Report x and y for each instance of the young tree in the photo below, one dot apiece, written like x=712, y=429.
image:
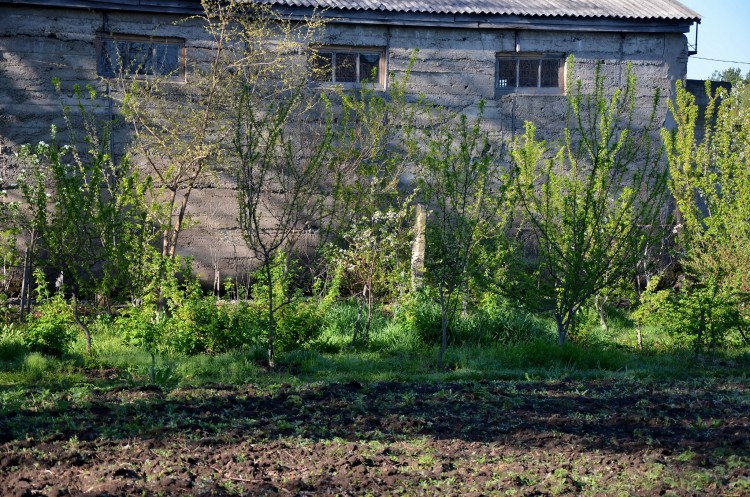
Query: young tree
x=284, y=149
x=593, y=205
x=85, y=212
x=461, y=182
x=710, y=181
x=183, y=133
x=372, y=215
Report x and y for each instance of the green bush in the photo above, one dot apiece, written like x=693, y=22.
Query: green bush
x=200, y=324
x=49, y=330
x=193, y=326
x=242, y=327
x=707, y=315
x=297, y=325
x=141, y=327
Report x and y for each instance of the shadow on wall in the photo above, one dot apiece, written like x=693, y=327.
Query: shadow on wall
x=698, y=88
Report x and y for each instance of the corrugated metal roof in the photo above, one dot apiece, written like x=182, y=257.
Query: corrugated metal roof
x=617, y=9
x=159, y=6
x=605, y=9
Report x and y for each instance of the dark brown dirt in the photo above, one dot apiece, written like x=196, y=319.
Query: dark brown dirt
x=486, y=438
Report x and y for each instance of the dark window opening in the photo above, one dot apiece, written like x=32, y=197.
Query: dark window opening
x=133, y=56
x=348, y=66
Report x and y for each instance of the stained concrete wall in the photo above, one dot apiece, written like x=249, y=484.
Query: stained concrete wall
x=454, y=67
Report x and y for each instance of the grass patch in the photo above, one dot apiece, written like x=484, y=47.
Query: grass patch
x=393, y=353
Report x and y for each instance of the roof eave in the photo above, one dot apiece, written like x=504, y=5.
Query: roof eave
x=485, y=21
x=177, y=7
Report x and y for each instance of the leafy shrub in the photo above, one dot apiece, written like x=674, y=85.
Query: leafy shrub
x=49, y=331
x=198, y=325
x=297, y=324
x=193, y=325
x=242, y=327
x=142, y=327
x=708, y=315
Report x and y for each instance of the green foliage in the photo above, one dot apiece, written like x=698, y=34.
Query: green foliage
x=50, y=331
x=420, y=314
x=594, y=205
x=297, y=320
x=493, y=322
x=732, y=75
x=706, y=314
x=86, y=210
x=11, y=342
x=497, y=322
x=711, y=185
x=299, y=324
x=201, y=325
x=373, y=264
x=191, y=322
x=141, y=327
x=462, y=184
x=9, y=230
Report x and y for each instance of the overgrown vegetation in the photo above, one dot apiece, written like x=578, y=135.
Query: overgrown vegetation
x=511, y=241
x=319, y=375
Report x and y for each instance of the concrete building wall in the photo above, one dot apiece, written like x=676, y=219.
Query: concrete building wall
x=454, y=67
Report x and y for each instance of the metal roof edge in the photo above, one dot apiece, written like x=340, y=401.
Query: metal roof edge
x=179, y=7
x=483, y=21
x=391, y=18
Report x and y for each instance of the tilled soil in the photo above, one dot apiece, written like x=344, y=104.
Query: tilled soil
x=601, y=437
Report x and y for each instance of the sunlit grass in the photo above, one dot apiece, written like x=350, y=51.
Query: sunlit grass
x=392, y=353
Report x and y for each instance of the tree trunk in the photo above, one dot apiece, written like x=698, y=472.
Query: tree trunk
x=443, y=331
x=562, y=330
x=82, y=325
x=269, y=282
x=418, y=247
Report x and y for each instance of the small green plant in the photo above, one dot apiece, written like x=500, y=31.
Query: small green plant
x=706, y=314
x=49, y=331
x=35, y=365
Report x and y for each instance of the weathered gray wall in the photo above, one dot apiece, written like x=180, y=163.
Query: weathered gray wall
x=454, y=67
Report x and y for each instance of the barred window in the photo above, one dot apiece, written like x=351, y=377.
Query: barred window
x=533, y=73
x=141, y=56
x=349, y=66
